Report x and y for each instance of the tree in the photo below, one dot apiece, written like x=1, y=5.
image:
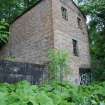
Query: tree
x=10, y=9
x=96, y=10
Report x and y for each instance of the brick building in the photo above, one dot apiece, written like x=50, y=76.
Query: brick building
x=51, y=24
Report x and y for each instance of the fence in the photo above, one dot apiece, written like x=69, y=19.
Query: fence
x=12, y=72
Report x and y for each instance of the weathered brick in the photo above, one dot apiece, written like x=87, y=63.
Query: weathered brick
x=42, y=28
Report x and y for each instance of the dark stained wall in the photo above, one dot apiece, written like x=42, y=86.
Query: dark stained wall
x=12, y=72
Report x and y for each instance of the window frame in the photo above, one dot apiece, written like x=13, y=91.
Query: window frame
x=75, y=47
x=79, y=22
x=64, y=13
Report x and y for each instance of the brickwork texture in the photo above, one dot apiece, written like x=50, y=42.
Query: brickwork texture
x=42, y=28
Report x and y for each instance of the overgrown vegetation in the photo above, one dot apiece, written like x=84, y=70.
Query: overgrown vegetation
x=25, y=94
x=95, y=10
x=58, y=64
x=4, y=33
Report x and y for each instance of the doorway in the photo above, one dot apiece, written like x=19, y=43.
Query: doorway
x=85, y=76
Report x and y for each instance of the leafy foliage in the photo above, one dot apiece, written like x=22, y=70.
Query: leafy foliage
x=10, y=9
x=58, y=65
x=96, y=10
x=25, y=94
x=4, y=33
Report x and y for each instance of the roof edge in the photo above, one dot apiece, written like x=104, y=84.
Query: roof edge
x=78, y=9
x=25, y=11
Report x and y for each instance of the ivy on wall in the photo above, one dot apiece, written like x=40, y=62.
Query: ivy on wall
x=4, y=33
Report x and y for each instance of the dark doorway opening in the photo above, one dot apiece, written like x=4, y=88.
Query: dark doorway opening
x=85, y=76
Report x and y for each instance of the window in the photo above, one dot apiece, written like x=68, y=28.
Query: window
x=79, y=23
x=75, y=47
x=64, y=13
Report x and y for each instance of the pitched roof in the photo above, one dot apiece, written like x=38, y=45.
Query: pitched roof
x=25, y=11
x=38, y=1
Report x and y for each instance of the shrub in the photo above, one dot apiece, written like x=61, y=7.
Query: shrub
x=58, y=65
x=25, y=94
x=4, y=33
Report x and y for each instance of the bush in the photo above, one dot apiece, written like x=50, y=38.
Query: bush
x=58, y=64
x=4, y=33
x=25, y=94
